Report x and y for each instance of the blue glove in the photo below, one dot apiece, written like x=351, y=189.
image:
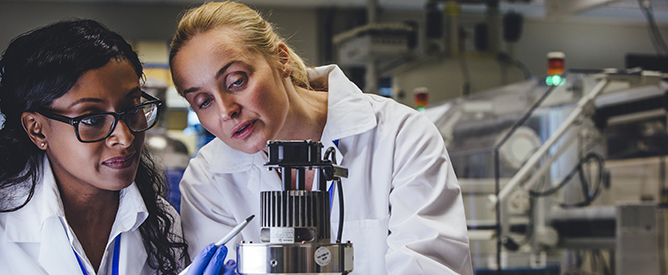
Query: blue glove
x=211, y=261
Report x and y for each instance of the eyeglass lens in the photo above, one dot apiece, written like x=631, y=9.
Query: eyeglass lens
x=98, y=126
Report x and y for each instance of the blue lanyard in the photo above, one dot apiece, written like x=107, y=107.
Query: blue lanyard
x=114, y=261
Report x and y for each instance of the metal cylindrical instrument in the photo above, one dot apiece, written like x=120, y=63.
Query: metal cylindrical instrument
x=295, y=235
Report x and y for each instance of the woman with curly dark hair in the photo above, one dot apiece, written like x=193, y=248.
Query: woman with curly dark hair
x=78, y=193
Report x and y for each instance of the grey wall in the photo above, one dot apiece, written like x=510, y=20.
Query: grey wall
x=145, y=21
x=588, y=42
x=132, y=21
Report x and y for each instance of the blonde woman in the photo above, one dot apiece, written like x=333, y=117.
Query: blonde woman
x=247, y=87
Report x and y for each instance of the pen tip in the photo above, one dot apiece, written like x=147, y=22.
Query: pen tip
x=250, y=218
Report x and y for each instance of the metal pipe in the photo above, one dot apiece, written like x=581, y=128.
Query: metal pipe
x=546, y=165
x=572, y=117
x=372, y=11
x=371, y=75
x=493, y=16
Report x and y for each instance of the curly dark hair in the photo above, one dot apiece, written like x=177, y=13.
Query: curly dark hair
x=42, y=65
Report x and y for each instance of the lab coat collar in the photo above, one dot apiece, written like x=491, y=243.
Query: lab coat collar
x=25, y=224
x=46, y=204
x=39, y=221
x=348, y=113
x=42, y=220
x=236, y=162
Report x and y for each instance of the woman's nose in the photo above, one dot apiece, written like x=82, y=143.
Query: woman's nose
x=121, y=135
x=229, y=109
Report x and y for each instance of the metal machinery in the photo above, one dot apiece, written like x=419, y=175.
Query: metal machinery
x=563, y=178
x=296, y=222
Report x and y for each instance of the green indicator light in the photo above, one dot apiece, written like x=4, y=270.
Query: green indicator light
x=561, y=81
x=554, y=80
x=420, y=109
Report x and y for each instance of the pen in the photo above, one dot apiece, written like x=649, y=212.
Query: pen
x=227, y=237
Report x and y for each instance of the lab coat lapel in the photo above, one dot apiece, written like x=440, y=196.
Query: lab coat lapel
x=349, y=113
x=20, y=262
x=39, y=222
x=254, y=178
x=235, y=162
x=55, y=254
x=132, y=261
x=131, y=214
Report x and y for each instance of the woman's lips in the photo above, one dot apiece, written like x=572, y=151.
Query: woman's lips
x=120, y=162
x=243, y=130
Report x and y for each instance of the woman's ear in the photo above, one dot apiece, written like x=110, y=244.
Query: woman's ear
x=33, y=128
x=284, y=60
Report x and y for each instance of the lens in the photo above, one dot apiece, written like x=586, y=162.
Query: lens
x=99, y=126
x=142, y=117
x=95, y=127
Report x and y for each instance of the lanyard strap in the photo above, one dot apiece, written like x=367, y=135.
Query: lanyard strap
x=83, y=269
x=114, y=261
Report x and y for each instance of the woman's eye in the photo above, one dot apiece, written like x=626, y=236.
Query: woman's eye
x=134, y=110
x=239, y=81
x=205, y=103
x=94, y=121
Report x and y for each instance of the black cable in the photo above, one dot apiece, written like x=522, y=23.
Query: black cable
x=587, y=187
x=466, y=78
x=655, y=31
x=523, y=67
x=579, y=259
x=328, y=152
x=659, y=44
x=528, y=234
x=505, y=59
x=339, y=187
x=553, y=190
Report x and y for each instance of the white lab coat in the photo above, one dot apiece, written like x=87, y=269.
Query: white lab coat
x=37, y=239
x=403, y=206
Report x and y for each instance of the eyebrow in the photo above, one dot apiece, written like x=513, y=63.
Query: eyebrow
x=84, y=100
x=97, y=100
x=218, y=74
x=134, y=90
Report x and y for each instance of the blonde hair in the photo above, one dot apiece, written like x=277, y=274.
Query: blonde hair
x=256, y=33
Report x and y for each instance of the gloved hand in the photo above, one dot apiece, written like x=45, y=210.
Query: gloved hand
x=211, y=260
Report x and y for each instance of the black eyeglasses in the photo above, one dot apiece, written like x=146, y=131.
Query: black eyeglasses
x=99, y=126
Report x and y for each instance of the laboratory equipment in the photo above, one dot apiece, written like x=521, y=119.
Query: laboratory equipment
x=554, y=175
x=295, y=235
x=556, y=63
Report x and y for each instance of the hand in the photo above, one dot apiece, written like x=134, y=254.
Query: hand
x=210, y=261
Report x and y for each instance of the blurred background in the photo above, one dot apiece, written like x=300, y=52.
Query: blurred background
x=553, y=111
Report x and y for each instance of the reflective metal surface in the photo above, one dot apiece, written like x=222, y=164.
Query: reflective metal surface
x=297, y=258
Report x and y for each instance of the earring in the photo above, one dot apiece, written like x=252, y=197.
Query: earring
x=42, y=145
